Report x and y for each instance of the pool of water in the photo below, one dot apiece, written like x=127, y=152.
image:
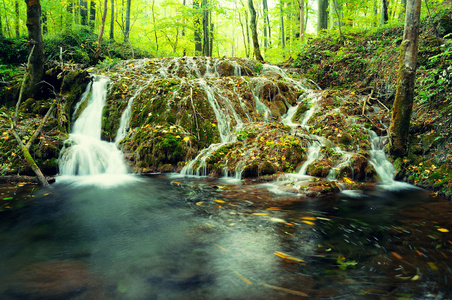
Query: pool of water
x=175, y=238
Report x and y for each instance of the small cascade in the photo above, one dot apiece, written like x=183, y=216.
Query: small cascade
x=313, y=154
x=84, y=152
x=382, y=165
x=125, y=117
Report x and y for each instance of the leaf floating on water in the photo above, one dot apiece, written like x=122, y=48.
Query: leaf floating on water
x=221, y=247
x=396, y=255
x=46, y=194
x=415, y=277
x=8, y=198
x=260, y=214
x=443, y=230
x=243, y=278
x=288, y=257
x=273, y=208
x=308, y=222
x=219, y=201
x=277, y=220
x=432, y=266
x=278, y=288
x=309, y=218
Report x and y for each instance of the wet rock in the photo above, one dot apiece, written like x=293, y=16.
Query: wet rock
x=322, y=188
x=53, y=280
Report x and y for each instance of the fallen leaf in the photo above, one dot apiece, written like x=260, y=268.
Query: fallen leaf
x=443, y=230
x=219, y=201
x=243, y=278
x=287, y=256
x=432, y=266
x=309, y=218
x=396, y=255
x=308, y=222
x=220, y=247
x=260, y=214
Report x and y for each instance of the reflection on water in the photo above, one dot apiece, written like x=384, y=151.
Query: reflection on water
x=213, y=239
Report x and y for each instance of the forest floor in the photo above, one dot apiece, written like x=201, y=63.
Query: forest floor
x=366, y=63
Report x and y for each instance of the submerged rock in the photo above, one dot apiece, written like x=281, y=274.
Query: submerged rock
x=62, y=279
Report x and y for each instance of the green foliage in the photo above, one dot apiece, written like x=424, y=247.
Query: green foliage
x=13, y=50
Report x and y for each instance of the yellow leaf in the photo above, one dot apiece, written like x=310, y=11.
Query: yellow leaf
x=309, y=218
x=186, y=139
x=260, y=214
x=443, y=230
x=308, y=222
x=348, y=180
x=177, y=136
x=287, y=256
x=214, y=125
x=219, y=201
x=415, y=277
x=243, y=278
x=273, y=208
x=432, y=266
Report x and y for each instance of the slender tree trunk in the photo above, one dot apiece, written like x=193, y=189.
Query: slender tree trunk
x=84, y=13
x=302, y=12
x=281, y=18
x=267, y=30
x=403, y=103
x=1, y=26
x=36, y=70
x=197, y=27
x=322, y=22
x=243, y=34
x=101, y=30
x=257, y=51
x=155, y=28
x=92, y=15
x=17, y=18
x=384, y=12
x=205, y=28
x=127, y=29
x=112, y=20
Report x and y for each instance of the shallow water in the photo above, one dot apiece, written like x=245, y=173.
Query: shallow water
x=163, y=238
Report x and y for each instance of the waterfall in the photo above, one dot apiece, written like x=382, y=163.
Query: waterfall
x=84, y=153
x=382, y=165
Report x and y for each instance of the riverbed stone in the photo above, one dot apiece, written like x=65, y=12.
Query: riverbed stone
x=62, y=279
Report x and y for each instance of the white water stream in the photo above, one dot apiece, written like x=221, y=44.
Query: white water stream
x=85, y=157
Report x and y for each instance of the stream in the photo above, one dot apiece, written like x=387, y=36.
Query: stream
x=161, y=237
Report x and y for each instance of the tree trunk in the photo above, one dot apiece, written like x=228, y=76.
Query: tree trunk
x=1, y=26
x=45, y=29
x=257, y=51
x=84, y=13
x=127, y=29
x=322, y=22
x=403, y=103
x=302, y=11
x=384, y=12
x=101, y=31
x=36, y=69
x=281, y=18
x=205, y=28
x=92, y=15
x=17, y=18
x=112, y=20
x=197, y=27
x=155, y=28
x=267, y=32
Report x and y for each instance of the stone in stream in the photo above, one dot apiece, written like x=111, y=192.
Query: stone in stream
x=62, y=279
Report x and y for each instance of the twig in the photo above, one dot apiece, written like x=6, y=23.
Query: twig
x=194, y=112
x=365, y=102
x=22, y=86
x=382, y=104
x=38, y=130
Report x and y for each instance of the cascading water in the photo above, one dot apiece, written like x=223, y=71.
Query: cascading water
x=84, y=153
